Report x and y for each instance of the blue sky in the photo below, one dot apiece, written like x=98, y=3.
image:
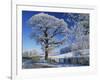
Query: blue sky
x=26, y=30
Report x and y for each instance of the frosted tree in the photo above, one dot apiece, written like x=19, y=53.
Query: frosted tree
x=79, y=34
x=48, y=31
x=30, y=53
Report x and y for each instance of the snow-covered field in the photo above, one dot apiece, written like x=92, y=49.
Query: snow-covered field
x=79, y=53
x=79, y=59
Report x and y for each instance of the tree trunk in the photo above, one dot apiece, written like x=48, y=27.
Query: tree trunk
x=46, y=44
x=46, y=55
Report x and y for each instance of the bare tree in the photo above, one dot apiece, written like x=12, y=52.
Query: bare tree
x=48, y=31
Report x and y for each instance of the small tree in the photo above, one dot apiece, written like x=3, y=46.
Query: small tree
x=48, y=31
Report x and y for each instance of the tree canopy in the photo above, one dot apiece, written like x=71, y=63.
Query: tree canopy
x=48, y=31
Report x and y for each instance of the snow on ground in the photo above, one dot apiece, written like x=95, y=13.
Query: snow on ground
x=79, y=53
x=30, y=64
